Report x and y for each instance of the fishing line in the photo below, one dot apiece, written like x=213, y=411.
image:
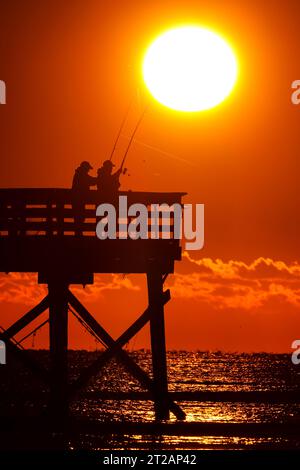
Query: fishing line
x=121, y=129
x=133, y=134
x=124, y=121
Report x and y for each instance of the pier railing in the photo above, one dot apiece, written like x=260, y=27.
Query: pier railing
x=40, y=227
x=63, y=212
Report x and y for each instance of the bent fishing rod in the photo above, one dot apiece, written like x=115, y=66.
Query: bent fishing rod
x=120, y=130
x=132, y=136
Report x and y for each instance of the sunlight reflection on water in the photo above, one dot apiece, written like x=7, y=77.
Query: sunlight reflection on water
x=202, y=371
x=188, y=371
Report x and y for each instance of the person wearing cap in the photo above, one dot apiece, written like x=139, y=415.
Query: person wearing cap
x=82, y=182
x=108, y=182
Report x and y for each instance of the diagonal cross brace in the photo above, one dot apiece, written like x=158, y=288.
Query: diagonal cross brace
x=26, y=319
x=115, y=348
x=21, y=354
x=94, y=368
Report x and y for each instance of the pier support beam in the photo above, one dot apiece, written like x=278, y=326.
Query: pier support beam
x=58, y=331
x=158, y=345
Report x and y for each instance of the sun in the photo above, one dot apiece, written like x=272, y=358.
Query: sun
x=190, y=69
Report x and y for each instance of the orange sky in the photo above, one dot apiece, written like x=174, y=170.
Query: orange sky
x=71, y=69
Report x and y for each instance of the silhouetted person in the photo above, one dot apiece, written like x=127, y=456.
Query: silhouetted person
x=82, y=182
x=107, y=182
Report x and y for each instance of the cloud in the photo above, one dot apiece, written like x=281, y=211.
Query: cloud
x=102, y=284
x=22, y=288
x=261, y=267
x=220, y=284
x=235, y=284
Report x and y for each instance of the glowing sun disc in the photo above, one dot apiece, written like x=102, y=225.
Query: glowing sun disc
x=189, y=69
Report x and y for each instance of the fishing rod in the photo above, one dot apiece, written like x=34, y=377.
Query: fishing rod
x=120, y=130
x=122, y=127
x=132, y=136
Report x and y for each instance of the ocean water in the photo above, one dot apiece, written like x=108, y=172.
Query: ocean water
x=188, y=371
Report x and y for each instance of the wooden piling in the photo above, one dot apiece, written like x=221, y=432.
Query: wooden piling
x=158, y=345
x=58, y=335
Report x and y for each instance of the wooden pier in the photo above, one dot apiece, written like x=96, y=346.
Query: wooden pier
x=40, y=232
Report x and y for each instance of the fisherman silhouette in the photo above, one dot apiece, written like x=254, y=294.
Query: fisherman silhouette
x=107, y=182
x=82, y=182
